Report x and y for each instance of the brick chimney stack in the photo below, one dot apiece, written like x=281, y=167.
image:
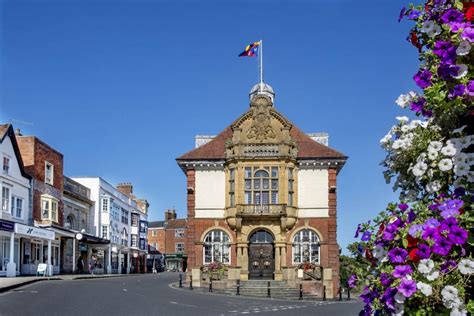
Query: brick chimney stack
x=125, y=188
x=170, y=214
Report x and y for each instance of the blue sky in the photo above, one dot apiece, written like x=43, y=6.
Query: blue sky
x=122, y=87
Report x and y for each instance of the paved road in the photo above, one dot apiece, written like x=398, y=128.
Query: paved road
x=149, y=295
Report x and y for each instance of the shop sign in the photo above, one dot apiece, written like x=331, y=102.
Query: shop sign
x=82, y=247
x=114, y=248
x=6, y=225
x=34, y=231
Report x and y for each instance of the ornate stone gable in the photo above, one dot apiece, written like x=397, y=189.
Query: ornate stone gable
x=261, y=132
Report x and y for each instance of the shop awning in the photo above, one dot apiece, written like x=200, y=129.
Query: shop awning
x=176, y=255
x=90, y=239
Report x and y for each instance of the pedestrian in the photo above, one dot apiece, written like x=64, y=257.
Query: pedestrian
x=91, y=267
x=80, y=265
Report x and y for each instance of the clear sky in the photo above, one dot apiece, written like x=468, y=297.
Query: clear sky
x=121, y=87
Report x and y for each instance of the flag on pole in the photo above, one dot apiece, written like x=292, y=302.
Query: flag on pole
x=251, y=50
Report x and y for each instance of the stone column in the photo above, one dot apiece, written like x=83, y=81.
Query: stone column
x=50, y=267
x=73, y=255
x=109, y=263
x=239, y=255
x=11, y=266
x=283, y=256
x=244, y=274
x=277, y=259
x=119, y=258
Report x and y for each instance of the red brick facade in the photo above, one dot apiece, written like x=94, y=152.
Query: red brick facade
x=34, y=154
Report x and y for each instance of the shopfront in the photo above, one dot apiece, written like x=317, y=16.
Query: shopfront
x=91, y=251
x=6, y=233
x=37, y=246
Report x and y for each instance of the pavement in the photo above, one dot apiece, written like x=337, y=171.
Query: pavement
x=7, y=284
x=150, y=294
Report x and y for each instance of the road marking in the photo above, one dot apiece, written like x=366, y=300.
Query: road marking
x=180, y=304
x=125, y=290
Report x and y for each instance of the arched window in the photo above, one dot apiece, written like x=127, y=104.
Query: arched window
x=216, y=247
x=306, y=247
x=70, y=221
x=261, y=185
x=124, y=237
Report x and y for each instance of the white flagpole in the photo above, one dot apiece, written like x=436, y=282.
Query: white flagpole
x=261, y=65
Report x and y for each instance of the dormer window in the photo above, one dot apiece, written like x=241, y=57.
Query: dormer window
x=6, y=164
x=48, y=173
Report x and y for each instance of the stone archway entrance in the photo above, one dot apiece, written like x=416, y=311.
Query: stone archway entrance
x=261, y=255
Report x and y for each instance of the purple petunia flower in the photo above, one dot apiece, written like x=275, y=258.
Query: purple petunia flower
x=411, y=216
x=360, y=249
x=468, y=34
x=458, y=192
x=423, y=78
x=447, y=71
x=366, y=236
x=385, y=279
x=418, y=105
x=357, y=231
x=352, y=281
x=450, y=208
x=403, y=207
x=424, y=251
x=457, y=91
x=414, y=14
x=452, y=16
x=442, y=246
x=456, y=26
x=407, y=287
x=470, y=89
x=447, y=265
x=402, y=271
x=457, y=235
x=431, y=233
x=446, y=51
x=414, y=230
x=388, y=298
x=433, y=207
x=397, y=255
x=432, y=222
x=402, y=13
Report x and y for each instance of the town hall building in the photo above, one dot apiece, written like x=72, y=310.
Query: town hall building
x=261, y=197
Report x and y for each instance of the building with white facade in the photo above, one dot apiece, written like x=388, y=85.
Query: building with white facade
x=118, y=218
x=15, y=186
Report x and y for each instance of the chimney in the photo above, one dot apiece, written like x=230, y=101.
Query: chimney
x=170, y=215
x=18, y=132
x=125, y=188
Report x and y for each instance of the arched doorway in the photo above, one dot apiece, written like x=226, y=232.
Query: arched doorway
x=261, y=255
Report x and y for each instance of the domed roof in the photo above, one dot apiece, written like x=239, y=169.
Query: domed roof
x=262, y=88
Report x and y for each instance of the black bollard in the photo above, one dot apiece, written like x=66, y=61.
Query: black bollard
x=348, y=294
x=268, y=289
x=340, y=294
x=301, y=291
x=238, y=287
x=210, y=285
x=324, y=293
x=191, y=284
x=180, y=280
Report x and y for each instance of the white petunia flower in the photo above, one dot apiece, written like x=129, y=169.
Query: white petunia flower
x=405, y=128
x=466, y=266
x=449, y=293
x=419, y=169
x=463, y=48
x=432, y=154
x=435, y=145
x=449, y=150
x=470, y=159
x=425, y=266
x=415, y=124
x=445, y=164
x=457, y=312
x=397, y=144
x=460, y=158
x=434, y=186
x=430, y=28
x=402, y=119
x=379, y=252
x=461, y=72
x=386, y=139
x=403, y=100
x=432, y=276
x=399, y=298
x=399, y=309
x=426, y=289
x=454, y=303
x=461, y=169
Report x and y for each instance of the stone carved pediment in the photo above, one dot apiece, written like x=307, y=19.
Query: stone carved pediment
x=261, y=132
